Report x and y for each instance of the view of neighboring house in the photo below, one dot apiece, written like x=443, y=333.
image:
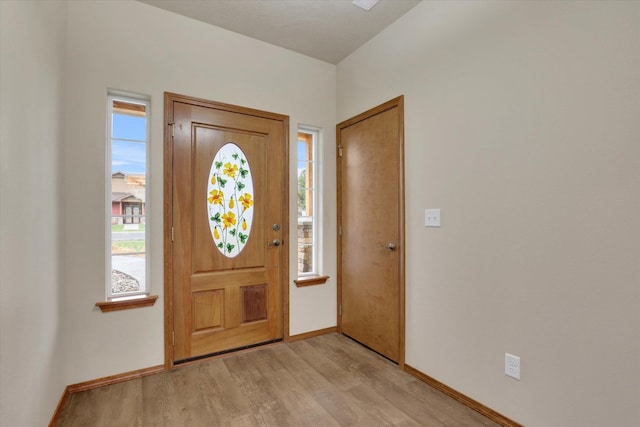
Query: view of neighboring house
x=127, y=198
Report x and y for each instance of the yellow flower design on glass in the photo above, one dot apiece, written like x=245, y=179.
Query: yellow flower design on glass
x=216, y=197
x=230, y=207
x=228, y=219
x=230, y=170
x=246, y=201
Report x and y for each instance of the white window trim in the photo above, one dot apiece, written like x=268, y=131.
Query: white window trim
x=139, y=99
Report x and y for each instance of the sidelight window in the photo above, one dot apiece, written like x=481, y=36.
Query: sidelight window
x=308, y=220
x=127, y=225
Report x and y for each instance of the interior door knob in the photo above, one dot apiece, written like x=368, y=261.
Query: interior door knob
x=391, y=246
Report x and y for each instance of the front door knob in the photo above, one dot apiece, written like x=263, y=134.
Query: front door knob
x=275, y=242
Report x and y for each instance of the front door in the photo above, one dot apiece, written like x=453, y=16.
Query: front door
x=229, y=216
x=371, y=224
x=128, y=212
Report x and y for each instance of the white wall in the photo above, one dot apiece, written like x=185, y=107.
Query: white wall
x=522, y=124
x=135, y=47
x=32, y=44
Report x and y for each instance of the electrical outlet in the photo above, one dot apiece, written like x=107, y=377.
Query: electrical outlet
x=512, y=365
x=432, y=217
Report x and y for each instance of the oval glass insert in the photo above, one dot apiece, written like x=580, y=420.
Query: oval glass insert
x=230, y=200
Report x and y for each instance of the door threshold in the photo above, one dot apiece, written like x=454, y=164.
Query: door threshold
x=223, y=352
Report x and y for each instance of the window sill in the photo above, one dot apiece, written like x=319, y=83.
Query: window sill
x=125, y=303
x=311, y=280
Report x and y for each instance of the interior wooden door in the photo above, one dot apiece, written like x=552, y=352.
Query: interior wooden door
x=229, y=215
x=371, y=229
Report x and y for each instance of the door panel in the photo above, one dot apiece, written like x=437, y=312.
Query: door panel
x=223, y=301
x=371, y=214
x=136, y=214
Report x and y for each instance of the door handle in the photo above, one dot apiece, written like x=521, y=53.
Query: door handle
x=275, y=242
x=391, y=246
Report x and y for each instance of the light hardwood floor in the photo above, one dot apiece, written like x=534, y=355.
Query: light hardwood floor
x=323, y=381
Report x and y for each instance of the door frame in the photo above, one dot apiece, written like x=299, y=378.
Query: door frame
x=393, y=103
x=169, y=98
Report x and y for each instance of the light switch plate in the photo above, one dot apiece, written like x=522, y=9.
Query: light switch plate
x=432, y=217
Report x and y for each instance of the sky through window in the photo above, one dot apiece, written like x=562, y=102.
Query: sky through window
x=128, y=151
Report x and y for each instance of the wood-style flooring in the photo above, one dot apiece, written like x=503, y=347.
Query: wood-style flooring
x=328, y=380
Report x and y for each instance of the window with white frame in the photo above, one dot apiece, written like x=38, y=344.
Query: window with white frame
x=308, y=212
x=127, y=224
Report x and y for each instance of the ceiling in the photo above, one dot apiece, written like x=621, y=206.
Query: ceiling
x=328, y=30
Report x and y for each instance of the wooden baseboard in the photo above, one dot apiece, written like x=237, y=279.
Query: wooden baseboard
x=114, y=379
x=465, y=400
x=58, y=412
x=311, y=334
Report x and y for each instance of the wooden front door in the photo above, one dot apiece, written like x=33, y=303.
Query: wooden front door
x=371, y=229
x=228, y=196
